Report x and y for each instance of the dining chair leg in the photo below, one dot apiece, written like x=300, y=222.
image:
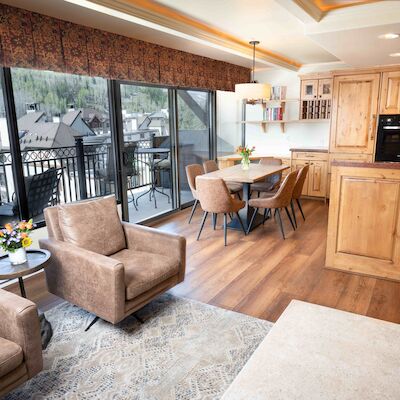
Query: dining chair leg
x=280, y=222
x=241, y=223
x=265, y=214
x=290, y=218
x=301, y=210
x=293, y=213
x=238, y=195
x=214, y=217
x=196, y=202
x=225, y=228
x=252, y=220
x=202, y=224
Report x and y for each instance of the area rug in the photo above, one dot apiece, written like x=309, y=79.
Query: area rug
x=183, y=350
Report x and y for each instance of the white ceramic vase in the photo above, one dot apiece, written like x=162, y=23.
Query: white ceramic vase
x=18, y=256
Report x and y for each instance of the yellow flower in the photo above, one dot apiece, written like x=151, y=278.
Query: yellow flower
x=26, y=242
x=8, y=227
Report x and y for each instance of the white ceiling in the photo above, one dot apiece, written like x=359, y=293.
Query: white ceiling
x=347, y=35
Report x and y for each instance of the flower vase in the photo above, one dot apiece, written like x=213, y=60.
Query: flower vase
x=245, y=163
x=18, y=256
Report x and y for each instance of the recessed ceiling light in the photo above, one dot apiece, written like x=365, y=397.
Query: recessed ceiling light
x=394, y=55
x=389, y=36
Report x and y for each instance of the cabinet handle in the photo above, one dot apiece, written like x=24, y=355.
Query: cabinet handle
x=372, y=126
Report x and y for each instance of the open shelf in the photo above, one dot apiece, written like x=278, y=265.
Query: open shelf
x=265, y=123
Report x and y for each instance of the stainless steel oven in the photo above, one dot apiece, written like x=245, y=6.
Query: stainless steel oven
x=388, y=138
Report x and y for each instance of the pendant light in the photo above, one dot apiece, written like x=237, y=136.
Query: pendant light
x=253, y=91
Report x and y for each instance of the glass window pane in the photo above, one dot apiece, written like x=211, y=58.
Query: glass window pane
x=147, y=147
x=64, y=135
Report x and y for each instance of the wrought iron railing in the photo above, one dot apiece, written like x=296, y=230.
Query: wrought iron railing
x=87, y=170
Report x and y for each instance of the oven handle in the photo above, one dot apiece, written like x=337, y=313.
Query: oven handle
x=391, y=127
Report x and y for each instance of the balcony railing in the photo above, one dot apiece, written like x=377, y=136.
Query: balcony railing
x=87, y=170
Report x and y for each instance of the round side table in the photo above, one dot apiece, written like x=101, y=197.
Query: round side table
x=36, y=260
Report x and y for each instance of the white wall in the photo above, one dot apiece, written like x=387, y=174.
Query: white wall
x=299, y=134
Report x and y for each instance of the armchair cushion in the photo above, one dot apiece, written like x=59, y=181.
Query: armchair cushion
x=10, y=356
x=145, y=270
x=93, y=225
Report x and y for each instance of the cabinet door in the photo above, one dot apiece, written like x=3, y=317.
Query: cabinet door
x=355, y=104
x=309, y=89
x=317, y=179
x=325, y=89
x=298, y=164
x=390, y=95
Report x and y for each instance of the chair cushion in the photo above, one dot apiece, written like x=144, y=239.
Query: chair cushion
x=10, y=356
x=234, y=187
x=93, y=225
x=145, y=270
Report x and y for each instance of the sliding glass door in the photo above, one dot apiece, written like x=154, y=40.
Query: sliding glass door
x=147, y=149
x=193, y=111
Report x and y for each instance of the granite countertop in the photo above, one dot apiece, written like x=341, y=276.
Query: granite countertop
x=377, y=164
x=310, y=149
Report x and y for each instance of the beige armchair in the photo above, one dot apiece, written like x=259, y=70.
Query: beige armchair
x=20, y=341
x=118, y=271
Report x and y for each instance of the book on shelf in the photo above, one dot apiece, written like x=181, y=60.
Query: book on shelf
x=273, y=114
x=278, y=93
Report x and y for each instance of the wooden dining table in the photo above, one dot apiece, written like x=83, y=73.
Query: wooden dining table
x=255, y=173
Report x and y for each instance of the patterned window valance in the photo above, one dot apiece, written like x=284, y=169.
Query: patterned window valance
x=32, y=40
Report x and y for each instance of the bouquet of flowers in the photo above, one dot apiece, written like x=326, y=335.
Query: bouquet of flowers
x=14, y=238
x=245, y=152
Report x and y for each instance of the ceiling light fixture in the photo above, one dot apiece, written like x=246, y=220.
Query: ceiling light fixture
x=394, y=55
x=389, y=36
x=253, y=91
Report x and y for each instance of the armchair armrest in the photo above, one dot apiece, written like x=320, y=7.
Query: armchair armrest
x=144, y=238
x=20, y=324
x=87, y=279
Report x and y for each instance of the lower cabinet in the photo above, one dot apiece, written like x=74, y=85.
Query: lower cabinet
x=364, y=220
x=316, y=181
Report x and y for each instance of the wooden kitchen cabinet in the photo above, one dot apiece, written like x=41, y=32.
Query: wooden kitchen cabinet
x=316, y=181
x=309, y=89
x=354, y=111
x=364, y=219
x=390, y=93
x=325, y=89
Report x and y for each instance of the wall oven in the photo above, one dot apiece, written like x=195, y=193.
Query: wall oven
x=388, y=138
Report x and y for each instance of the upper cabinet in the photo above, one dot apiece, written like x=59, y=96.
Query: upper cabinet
x=309, y=89
x=325, y=89
x=354, y=111
x=315, y=96
x=390, y=94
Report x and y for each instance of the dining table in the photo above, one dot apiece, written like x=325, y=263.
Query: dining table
x=255, y=173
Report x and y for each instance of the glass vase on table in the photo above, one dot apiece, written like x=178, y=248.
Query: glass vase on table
x=245, y=153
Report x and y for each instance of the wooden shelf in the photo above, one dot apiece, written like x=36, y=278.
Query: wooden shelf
x=265, y=123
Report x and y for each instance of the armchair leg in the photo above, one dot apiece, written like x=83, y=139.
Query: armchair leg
x=214, y=218
x=265, y=215
x=301, y=210
x=225, y=229
x=290, y=218
x=293, y=213
x=278, y=212
x=94, y=320
x=196, y=202
x=202, y=224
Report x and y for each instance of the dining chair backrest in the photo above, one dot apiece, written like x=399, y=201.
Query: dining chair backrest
x=275, y=178
x=301, y=178
x=285, y=192
x=193, y=171
x=213, y=195
x=210, y=166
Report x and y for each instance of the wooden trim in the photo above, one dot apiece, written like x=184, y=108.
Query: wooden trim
x=168, y=17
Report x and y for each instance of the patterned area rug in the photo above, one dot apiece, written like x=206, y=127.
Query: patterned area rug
x=183, y=350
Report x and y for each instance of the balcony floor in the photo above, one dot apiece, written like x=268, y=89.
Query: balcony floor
x=146, y=207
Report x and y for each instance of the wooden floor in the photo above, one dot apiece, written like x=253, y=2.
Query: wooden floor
x=260, y=274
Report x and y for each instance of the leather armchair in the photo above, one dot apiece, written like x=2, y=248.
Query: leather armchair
x=116, y=285
x=20, y=341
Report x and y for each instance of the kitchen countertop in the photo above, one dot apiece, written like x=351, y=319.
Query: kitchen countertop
x=378, y=164
x=310, y=149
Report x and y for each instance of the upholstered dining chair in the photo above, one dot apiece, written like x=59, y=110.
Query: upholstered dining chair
x=215, y=198
x=192, y=171
x=234, y=187
x=279, y=201
x=298, y=188
x=20, y=341
x=271, y=182
x=108, y=267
